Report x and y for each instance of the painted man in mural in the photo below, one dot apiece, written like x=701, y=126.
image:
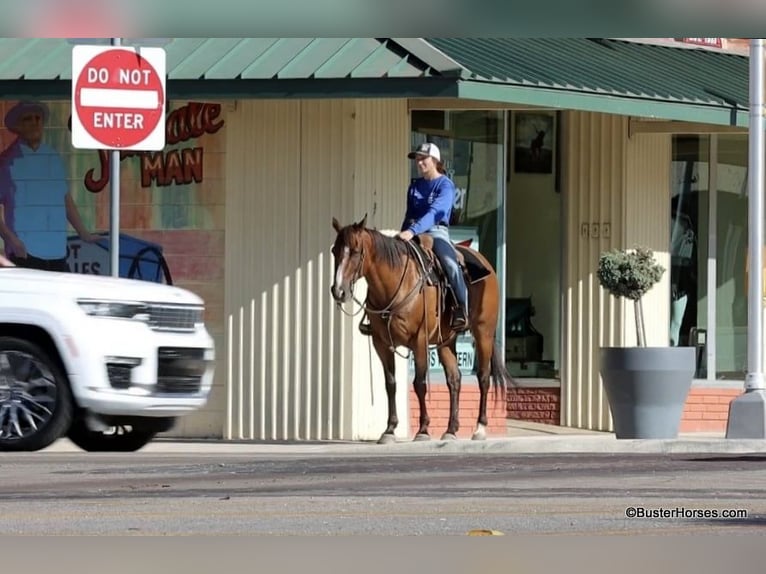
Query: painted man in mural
x=35, y=201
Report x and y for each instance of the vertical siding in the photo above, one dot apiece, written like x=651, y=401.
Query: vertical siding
x=262, y=254
x=294, y=165
x=594, y=176
x=623, y=182
x=648, y=193
x=327, y=149
x=381, y=176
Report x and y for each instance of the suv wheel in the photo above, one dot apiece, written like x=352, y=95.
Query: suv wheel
x=35, y=400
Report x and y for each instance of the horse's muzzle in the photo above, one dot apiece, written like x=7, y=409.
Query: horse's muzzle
x=340, y=294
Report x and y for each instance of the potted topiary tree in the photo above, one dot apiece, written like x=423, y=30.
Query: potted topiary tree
x=646, y=387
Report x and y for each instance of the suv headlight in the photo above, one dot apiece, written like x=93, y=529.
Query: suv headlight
x=115, y=309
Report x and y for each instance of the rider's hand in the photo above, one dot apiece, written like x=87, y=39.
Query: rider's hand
x=405, y=235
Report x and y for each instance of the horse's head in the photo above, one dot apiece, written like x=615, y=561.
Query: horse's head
x=348, y=253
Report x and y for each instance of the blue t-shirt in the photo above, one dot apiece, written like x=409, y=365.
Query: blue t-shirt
x=33, y=189
x=429, y=203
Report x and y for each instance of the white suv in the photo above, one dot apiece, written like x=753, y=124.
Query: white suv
x=107, y=362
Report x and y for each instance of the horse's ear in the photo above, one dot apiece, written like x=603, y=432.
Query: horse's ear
x=336, y=225
x=363, y=222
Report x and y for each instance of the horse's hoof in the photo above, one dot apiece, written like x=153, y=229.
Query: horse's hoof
x=480, y=433
x=420, y=437
x=386, y=438
x=449, y=436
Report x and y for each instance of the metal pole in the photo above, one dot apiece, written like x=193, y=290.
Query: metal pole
x=114, y=204
x=754, y=379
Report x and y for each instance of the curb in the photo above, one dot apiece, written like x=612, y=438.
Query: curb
x=529, y=445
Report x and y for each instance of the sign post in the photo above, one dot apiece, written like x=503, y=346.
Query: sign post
x=118, y=103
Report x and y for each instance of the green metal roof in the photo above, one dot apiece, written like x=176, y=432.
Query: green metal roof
x=232, y=58
x=606, y=75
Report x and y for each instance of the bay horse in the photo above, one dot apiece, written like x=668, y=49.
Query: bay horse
x=406, y=309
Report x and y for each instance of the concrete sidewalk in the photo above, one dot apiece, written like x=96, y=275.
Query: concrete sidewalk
x=523, y=438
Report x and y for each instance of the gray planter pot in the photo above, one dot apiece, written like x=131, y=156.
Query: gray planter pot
x=646, y=388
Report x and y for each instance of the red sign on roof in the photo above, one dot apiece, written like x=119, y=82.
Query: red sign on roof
x=712, y=42
x=118, y=98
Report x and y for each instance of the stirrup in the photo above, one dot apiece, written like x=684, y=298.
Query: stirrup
x=365, y=328
x=460, y=321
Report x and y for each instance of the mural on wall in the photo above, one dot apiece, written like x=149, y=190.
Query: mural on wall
x=55, y=198
x=35, y=197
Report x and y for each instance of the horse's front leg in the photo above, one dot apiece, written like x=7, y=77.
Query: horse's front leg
x=386, y=356
x=419, y=384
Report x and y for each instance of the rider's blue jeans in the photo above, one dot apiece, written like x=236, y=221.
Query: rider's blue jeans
x=447, y=255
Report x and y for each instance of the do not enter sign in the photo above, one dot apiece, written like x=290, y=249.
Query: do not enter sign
x=118, y=98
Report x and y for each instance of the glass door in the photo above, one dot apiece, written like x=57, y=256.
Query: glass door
x=709, y=233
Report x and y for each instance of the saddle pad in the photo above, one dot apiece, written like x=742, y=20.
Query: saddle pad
x=473, y=265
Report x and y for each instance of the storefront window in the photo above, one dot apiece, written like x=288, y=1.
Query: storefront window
x=471, y=143
x=709, y=252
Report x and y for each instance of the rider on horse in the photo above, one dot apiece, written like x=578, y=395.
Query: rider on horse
x=430, y=198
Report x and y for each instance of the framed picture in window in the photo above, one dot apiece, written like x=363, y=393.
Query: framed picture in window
x=534, y=142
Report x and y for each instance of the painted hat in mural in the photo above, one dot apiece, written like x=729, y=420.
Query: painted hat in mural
x=13, y=115
x=426, y=148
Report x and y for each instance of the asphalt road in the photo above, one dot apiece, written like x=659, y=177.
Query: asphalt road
x=155, y=493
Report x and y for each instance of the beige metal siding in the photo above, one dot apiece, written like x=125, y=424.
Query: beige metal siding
x=594, y=160
x=616, y=195
x=381, y=175
x=647, y=218
x=292, y=166
x=262, y=254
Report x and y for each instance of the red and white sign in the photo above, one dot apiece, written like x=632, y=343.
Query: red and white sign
x=118, y=98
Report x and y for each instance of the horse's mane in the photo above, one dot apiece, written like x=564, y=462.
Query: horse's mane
x=390, y=250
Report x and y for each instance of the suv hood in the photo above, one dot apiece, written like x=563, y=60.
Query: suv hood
x=76, y=285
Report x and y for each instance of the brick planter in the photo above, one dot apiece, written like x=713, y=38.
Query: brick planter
x=706, y=409
x=535, y=404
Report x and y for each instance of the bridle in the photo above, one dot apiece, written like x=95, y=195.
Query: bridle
x=393, y=305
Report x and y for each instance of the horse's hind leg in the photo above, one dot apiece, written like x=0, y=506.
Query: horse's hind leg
x=419, y=384
x=448, y=358
x=387, y=359
x=484, y=350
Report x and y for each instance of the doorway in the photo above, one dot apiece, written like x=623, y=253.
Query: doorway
x=533, y=263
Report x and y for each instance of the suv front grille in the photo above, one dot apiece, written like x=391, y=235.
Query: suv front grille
x=184, y=318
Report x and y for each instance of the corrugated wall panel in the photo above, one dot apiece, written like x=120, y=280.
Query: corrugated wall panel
x=262, y=255
x=327, y=148
x=381, y=176
x=382, y=173
x=295, y=165
x=594, y=176
x=648, y=193
x=609, y=179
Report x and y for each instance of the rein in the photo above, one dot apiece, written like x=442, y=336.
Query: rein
x=390, y=309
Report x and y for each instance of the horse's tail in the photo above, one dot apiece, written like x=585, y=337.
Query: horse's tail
x=501, y=378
